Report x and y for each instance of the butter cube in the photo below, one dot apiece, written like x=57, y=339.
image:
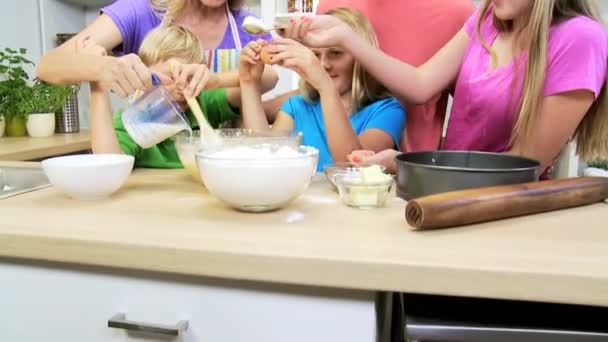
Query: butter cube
x=373, y=174
x=364, y=196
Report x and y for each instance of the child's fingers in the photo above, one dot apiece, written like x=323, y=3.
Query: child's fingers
x=261, y=42
x=198, y=81
x=175, y=69
x=304, y=27
x=292, y=64
x=279, y=58
x=249, y=60
x=254, y=46
x=203, y=83
x=194, y=81
x=184, y=75
x=359, y=156
x=249, y=53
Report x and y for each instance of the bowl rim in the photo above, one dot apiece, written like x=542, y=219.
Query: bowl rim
x=344, y=165
x=263, y=134
x=399, y=161
x=340, y=181
x=119, y=159
x=309, y=152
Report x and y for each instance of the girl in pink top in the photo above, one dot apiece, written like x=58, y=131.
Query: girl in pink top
x=529, y=76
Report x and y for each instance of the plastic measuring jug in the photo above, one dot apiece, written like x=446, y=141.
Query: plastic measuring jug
x=154, y=117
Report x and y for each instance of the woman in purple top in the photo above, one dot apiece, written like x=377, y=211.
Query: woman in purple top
x=123, y=25
x=529, y=76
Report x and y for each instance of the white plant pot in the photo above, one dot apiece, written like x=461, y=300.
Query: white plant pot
x=2, y=125
x=595, y=172
x=40, y=125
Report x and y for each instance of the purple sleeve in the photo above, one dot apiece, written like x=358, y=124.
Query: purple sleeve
x=134, y=19
x=578, y=52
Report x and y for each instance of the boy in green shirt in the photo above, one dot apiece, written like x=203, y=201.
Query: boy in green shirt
x=161, y=47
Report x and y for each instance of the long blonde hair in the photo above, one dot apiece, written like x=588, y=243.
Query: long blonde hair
x=592, y=133
x=168, y=10
x=364, y=88
x=171, y=41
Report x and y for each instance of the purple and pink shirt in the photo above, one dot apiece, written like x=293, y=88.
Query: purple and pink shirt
x=485, y=102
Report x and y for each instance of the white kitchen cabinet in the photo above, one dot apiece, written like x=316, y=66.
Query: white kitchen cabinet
x=43, y=303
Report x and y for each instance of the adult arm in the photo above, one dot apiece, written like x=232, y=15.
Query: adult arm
x=411, y=84
x=123, y=75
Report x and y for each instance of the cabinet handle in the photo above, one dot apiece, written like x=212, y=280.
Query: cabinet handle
x=120, y=321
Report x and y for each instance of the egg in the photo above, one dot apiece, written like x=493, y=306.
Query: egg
x=265, y=56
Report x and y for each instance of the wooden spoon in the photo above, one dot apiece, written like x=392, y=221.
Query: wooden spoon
x=207, y=132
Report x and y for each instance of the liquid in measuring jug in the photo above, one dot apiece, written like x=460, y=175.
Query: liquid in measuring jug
x=154, y=117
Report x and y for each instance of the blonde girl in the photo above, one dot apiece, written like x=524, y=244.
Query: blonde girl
x=341, y=107
x=529, y=76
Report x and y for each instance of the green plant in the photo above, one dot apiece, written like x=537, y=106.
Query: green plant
x=43, y=97
x=14, y=84
x=599, y=163
x=17, y=97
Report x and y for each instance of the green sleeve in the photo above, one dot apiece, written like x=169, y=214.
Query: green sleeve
x=127, y=145
x=216, y=108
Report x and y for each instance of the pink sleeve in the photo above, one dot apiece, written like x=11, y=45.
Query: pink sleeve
x=578, y=52
x=471, y=23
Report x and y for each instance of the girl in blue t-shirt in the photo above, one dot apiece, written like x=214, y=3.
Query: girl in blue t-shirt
x=341, y=108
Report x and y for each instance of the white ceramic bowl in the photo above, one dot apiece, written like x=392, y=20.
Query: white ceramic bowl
x=88, y=176
x=258, y=184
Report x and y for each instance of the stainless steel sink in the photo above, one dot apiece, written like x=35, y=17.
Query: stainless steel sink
x=17, y=180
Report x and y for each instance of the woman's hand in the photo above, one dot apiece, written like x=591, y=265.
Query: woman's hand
x=190, y=79
x=123, y=75
x=251, y=66
x=318, y=31
x=86, y=45
x=290, y=54
x=385, y=158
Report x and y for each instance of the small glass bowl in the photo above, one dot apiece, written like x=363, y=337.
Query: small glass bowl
x=354, y=193
x=344, y=168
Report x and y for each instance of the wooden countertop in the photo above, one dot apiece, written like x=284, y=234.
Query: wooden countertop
x=28, y=148
x=162, y=221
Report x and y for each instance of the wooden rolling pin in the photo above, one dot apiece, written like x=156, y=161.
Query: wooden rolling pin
x=457, y=208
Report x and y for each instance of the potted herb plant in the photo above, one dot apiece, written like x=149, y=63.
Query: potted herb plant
x=13, y=86
x=2, y=125
x=598, y=168
x=28, y=108
x=40, y=106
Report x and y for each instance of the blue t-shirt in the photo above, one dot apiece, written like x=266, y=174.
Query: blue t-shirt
x=385, y=114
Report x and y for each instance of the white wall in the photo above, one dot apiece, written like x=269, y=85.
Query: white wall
x=33, y=24
x=15, y=33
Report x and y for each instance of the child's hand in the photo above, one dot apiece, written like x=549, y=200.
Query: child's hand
x=190, y=79
x=385, y=158
x=299, y=58
x=318, y=31
x=251, y=66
